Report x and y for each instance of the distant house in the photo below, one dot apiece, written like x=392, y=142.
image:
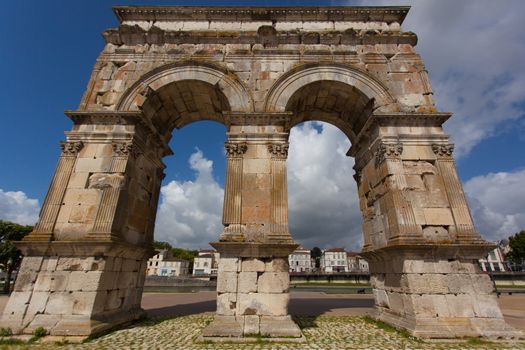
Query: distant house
x=300, y=260
x=164, y=264
x=356, y=263
x=494, y=261
x=334, y=260
x=206, y=263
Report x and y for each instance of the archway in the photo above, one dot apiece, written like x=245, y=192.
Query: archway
x=84, y=262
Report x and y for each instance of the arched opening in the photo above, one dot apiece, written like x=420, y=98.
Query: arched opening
x=323, y=201
x=182, y=102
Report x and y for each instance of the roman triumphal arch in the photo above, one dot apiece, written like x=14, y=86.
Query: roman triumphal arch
x=259, y=71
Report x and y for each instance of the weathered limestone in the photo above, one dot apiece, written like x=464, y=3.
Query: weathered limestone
x=252, y=292
x=259, y=71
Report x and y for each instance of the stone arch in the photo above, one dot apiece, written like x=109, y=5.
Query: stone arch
x=285, y=87
x=237, y=95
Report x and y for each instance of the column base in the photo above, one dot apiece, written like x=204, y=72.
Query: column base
x=436, y=291
x=76, y=288
x=252, y=327
x=252, y=293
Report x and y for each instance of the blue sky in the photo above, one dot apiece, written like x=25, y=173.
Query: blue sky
x=473, y=51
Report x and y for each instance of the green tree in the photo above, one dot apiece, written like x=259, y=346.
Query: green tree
x=10, y=256
x=189, y=255
x=315, y=254
x=161, y=245
x=517, y=248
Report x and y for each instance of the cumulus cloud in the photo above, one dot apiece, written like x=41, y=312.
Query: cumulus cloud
x=473, y=51
x=190, y=212
x=323, y=201
x=497, y=201
x=15, y=206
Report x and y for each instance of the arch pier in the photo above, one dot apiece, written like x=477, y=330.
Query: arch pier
x=259, y=71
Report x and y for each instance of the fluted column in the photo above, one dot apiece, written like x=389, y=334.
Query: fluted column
x=279, y=194
x=231, y=215
x=401, y=218
x=53, y=201
x=105, y=218
x=465, y=230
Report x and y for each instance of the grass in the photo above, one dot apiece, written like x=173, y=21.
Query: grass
x=391, y=329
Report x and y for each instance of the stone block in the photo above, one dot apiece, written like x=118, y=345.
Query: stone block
x=256, y=166
x=247, y=282
x=87, y=303
x=37, y=303
x=228, y=264
x=17, y=303
x=438, y=216
x=113, y=300
x=277, y=265
x=226, y=304
x=84, y=281
x=486, y=305
x=279, y=327
x=51, y=281
x=224, y=326
x=460, y=305
x=60, y=303
x=263, y=304
x=273, y=282
x=227, y=282
x=49, y=263
x=252, y=265
x=31, y=263
x=25, y=281
x=251, y=325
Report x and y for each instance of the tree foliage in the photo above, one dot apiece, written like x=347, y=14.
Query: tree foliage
x=315, y=254
x=10, y=256
x=517, y=247
x=161, y=245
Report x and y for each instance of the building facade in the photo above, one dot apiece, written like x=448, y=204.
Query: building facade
x=164, y=264
x=206, y=263
x=494, y=261
x=334, y=260
x=300, y=260
x=356, y=263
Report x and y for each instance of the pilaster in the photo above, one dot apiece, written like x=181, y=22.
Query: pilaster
x=43, y=230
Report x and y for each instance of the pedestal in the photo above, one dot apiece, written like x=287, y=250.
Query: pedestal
x=436, y=291
x=76, y=288
x=252, y=292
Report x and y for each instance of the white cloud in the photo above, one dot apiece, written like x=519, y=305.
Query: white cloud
x=17, y=207
x=323, y=207
x=474, y=53
x=190, y=212
x=497, y=201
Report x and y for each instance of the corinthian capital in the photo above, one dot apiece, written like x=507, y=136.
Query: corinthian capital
x=124, y=149
x=443, y=151
x=278, y=150
x=71, y=148
x=235, y=149
x=388, y=151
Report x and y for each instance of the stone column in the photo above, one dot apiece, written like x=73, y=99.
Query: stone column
x=43, y=230
x=464, y=226
x=98, y=212
x=231, y=215
x=420, y=241
x=253, y=277
x=112, y=184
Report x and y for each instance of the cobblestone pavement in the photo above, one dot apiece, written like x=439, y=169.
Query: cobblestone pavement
x=324, y=332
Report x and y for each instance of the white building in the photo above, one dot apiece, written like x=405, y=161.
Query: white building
x=334, y=260
x=494, y=261
x=300, y=260
x=206, y=263
x=163, y=264
x=356, y=263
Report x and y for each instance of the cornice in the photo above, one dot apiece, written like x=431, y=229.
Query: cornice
x=388, y=14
